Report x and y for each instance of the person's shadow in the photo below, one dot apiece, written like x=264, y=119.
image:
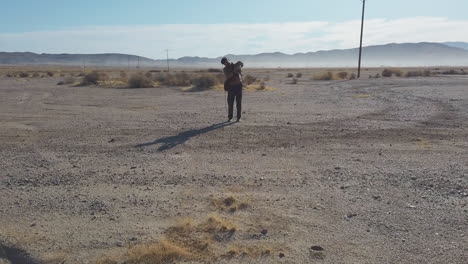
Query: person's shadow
x=181, y=138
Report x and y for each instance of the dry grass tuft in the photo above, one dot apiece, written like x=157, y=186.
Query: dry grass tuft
x=390, y=72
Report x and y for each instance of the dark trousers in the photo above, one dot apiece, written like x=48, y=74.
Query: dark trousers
x=237, y=96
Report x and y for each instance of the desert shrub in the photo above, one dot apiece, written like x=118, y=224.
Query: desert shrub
x=178, y=79
x=140, y=81
x=214, y=70
x=262, y=85
x=22, y=74
x=123, y=75
x=324, y=76
x=149, y=75
x=352, y=76
x=249, y=79
x=93, y=78
x=205, y=81
x=299, y=74
x=50, y=74
x=427, y=73
x=62, y=75
x=398, y=72
x=35, y=75
x=290, y=75
x=377, y=75
x=387, y=73
x=450, y=72
x=294, y=81
x=370, y=76
x=342, y=75
x=413, y=74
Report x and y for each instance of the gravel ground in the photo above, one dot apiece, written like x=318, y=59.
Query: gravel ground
x=372, y=171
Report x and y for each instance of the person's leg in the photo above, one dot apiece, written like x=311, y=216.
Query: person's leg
x=230, y=100
x=239, y=105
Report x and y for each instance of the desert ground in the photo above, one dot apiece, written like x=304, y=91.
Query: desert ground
x=351, y=171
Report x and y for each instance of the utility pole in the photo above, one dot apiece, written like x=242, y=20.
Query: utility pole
x=362, y=32
x=167, y=59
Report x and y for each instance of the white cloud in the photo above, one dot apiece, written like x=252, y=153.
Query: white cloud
x=214, y=40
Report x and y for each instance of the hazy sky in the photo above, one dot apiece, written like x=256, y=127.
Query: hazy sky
x=215, y=28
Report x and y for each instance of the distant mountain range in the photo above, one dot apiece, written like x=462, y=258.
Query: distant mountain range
x=405, y=54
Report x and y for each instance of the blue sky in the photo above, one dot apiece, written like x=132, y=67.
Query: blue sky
x=94, y=26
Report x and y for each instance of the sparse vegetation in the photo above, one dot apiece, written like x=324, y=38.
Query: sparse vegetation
x=50, y=74
x=290, y=75
x=93, y=78
x=205, y=81
x=140, y=81
x=410, y=74
x=299, y=75
x=353, y=76
x=22, y=74
x=324, y=76
x=342, y=75
x=390, y=72
x=294, y=81
x=249, y=79
x=214, y=70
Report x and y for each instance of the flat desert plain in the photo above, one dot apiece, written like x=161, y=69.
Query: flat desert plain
x=360, y=171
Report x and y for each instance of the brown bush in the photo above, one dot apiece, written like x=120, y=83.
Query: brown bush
x=387, y=73
x=35, y=75
x=427, y=73
x=324, y=76
x=353, y=76
x=249, y=79
x=94, y=77
x=414, y=74
x=123, y=76
x=140, y=81
x=299, y=75
x=22, y=74
x=50, y=74
x=342, y=75
x=290, y=75
x=294, y=81
x=205, y=81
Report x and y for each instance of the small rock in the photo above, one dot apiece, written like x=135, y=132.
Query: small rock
x=132, y=168
x=281, y=255
x=133, y=239
x=119, y=244
x=337, y=168
x=264, y=231
x=33, y=224
x=263, y=154
x=111, y=140
x=317, y=248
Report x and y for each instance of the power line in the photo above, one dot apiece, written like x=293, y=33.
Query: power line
x=362, y=32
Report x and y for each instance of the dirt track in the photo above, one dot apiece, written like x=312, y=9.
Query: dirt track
x=373, y=171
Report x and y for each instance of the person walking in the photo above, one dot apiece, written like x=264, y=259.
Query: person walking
x=233, y=86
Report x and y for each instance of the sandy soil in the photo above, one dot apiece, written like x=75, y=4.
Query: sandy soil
x=372, y=171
